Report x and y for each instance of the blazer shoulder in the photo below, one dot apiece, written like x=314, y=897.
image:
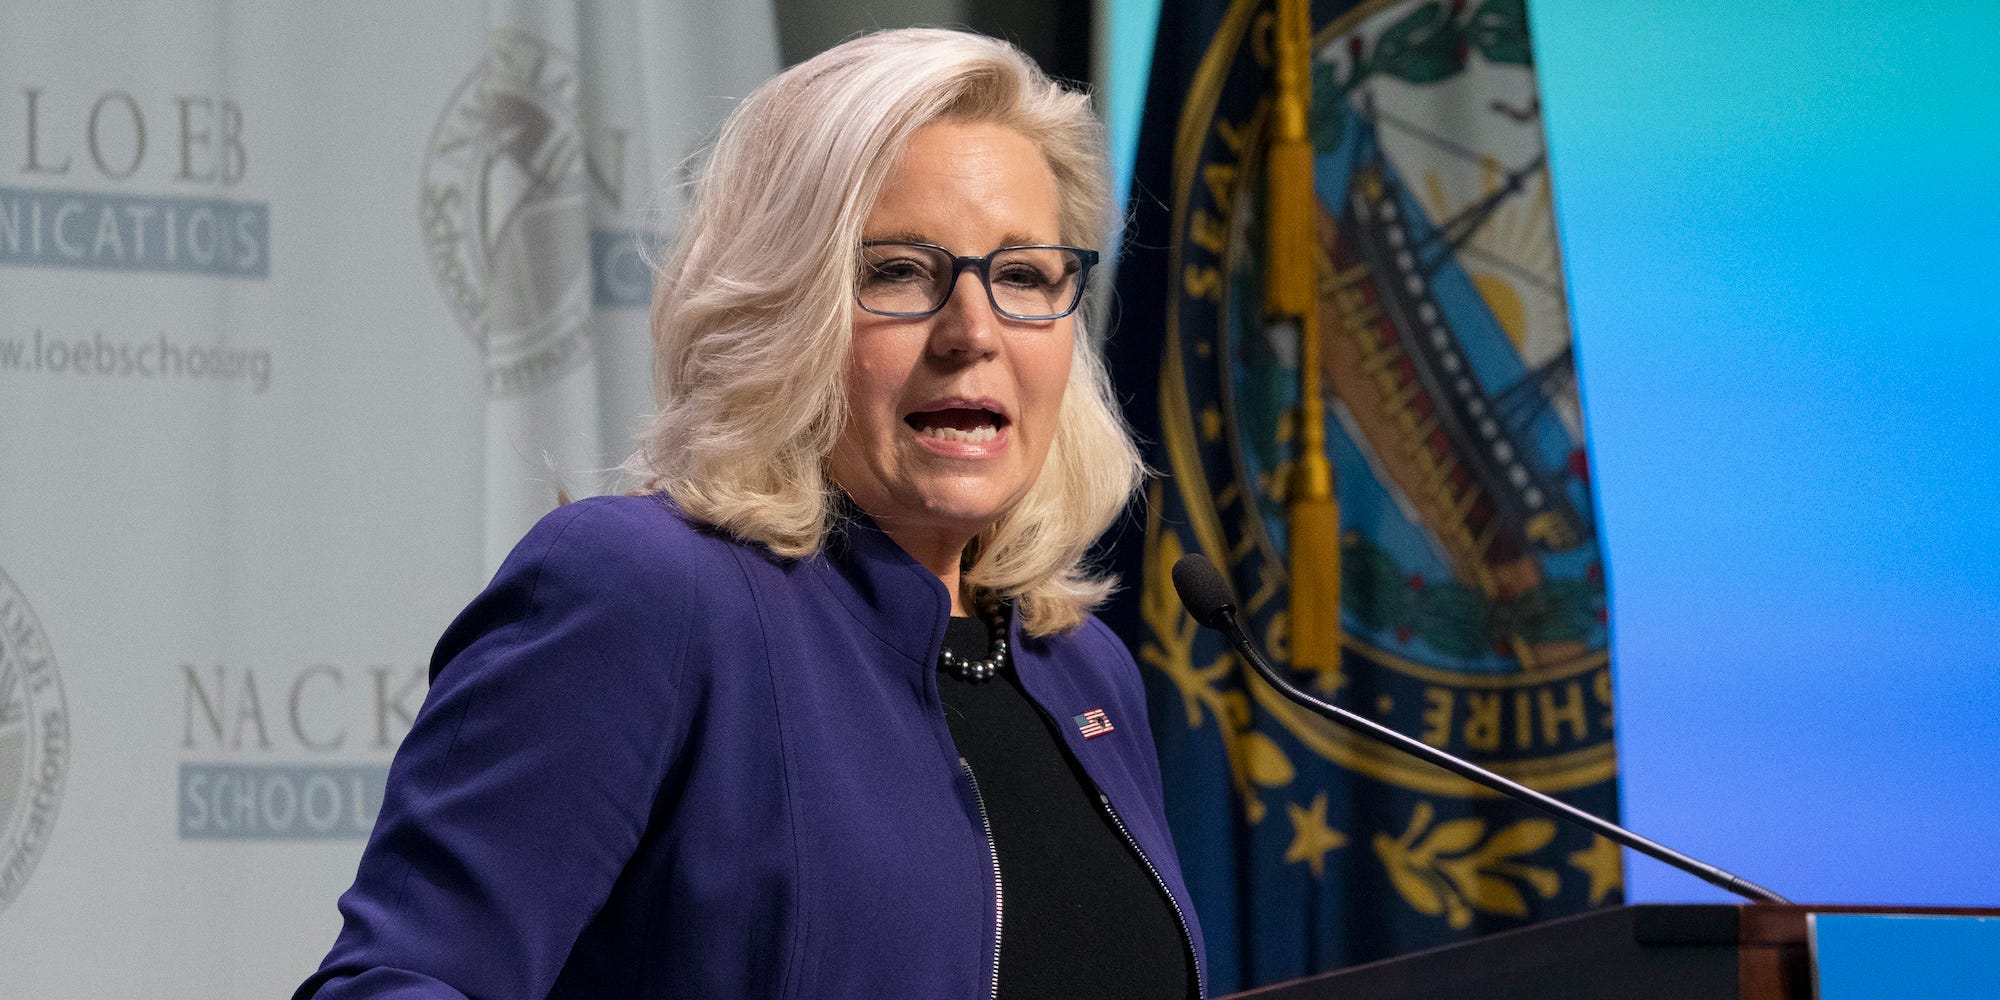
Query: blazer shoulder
x=1106, y=647
x=635, y=554
x=618, y=536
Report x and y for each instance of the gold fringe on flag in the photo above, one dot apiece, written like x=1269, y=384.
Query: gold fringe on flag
x=1291, y=296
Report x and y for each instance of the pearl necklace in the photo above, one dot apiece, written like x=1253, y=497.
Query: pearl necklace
x=973, y=671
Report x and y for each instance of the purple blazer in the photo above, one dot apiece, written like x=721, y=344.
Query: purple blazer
x=657, y=762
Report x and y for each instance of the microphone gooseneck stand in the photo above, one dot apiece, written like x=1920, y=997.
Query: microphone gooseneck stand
x=1207, y=597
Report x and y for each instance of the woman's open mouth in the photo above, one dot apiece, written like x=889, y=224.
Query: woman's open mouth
x=968, y=423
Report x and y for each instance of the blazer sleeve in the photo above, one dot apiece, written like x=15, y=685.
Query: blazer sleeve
x=528, y=775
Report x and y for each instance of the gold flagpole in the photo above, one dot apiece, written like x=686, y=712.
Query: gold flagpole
x=1291, y=296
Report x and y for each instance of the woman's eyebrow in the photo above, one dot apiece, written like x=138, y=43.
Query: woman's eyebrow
x=1012, y=239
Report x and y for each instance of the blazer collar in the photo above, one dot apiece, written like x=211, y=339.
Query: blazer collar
x=886, y=590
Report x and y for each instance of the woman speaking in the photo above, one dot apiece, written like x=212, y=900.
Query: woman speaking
x=820, y=710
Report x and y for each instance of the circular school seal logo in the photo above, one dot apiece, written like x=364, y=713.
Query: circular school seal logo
x=34, y=741
x=1462, y=591
x=505, y=218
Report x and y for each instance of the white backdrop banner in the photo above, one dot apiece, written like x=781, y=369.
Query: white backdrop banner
x=299, y=307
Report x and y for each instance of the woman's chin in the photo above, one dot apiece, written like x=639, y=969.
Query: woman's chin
x=938, y=485
x=972, y=507
x=957, y=503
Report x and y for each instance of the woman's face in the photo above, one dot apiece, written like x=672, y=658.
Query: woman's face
x=950, y=416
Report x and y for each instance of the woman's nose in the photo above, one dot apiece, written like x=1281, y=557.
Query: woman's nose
x=967, y=324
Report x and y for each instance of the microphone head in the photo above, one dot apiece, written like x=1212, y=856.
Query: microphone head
x=1203, y=590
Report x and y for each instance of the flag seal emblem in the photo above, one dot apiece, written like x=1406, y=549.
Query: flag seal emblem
x=1471, y=603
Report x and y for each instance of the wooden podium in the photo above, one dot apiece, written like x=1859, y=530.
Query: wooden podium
x=1642, y=952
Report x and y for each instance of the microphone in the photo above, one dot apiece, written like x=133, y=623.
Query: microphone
x=1206, y=596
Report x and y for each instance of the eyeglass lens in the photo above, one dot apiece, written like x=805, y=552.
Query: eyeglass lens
x=1024, y=282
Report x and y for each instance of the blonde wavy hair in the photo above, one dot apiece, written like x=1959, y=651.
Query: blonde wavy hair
x=752, y=322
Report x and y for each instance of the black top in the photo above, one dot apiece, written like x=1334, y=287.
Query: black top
x=1081, y=913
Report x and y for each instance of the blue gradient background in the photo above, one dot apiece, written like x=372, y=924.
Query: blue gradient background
x=1779, y=225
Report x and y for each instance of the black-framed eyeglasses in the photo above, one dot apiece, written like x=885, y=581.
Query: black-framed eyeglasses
x=1030, y=283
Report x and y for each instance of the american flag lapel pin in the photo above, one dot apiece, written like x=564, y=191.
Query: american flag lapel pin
x=1092, y=724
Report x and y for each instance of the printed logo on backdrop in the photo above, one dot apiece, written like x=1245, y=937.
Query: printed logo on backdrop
x=34, y=741
x=511, y=186
x=289, y=752
x=129, y=181
x=88, y=156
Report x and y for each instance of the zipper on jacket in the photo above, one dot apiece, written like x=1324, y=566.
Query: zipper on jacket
x=993, y=852
x=1200, y=988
